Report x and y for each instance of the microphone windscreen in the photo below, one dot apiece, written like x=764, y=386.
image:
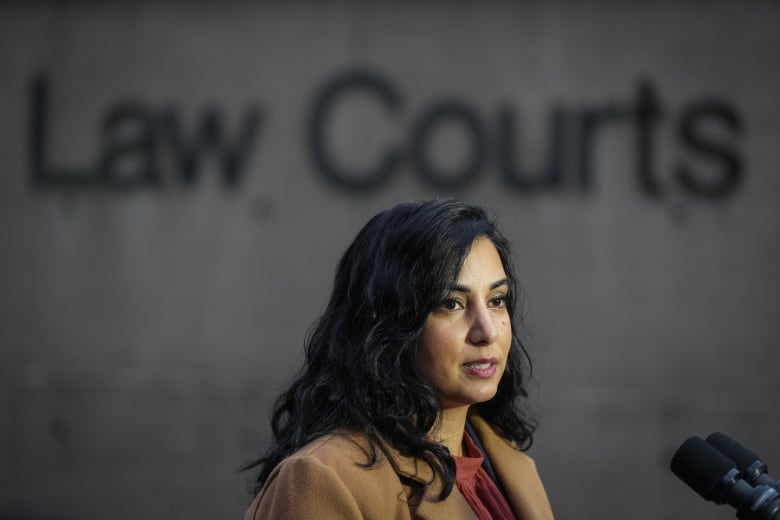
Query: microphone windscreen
x=700, y=466
x=741, y=456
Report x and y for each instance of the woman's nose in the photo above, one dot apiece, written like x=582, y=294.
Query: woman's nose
x=483, y=330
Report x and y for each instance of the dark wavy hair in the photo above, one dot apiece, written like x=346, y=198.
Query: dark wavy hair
x=360, y=371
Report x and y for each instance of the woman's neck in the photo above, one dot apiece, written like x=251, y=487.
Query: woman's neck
x=453, y=425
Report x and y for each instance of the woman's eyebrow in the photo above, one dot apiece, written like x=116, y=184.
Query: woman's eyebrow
x=494, y=285
x=499, y=283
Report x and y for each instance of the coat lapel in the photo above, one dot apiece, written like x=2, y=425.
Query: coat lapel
x=517, y=473
x=423, y=495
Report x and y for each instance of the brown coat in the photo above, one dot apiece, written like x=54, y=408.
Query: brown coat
x=323, y=480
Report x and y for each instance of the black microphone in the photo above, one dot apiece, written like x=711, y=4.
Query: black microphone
x=715, y=477
x=753, y=469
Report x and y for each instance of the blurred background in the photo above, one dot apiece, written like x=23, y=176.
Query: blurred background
x=179, y=179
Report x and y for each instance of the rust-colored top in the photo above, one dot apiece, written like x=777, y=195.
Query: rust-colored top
x=476, y=486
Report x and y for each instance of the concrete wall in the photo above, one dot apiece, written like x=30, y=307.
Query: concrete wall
x=148, y=320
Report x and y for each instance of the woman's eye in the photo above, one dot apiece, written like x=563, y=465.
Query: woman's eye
x=451, y=304
x=498, y=301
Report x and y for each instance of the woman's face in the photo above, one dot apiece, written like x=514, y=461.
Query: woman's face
x=465, y=342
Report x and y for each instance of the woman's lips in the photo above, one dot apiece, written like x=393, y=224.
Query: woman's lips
x=481, y=367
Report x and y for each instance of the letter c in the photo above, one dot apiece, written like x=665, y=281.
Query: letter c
x=341, y=177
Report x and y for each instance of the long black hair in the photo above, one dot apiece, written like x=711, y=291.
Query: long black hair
x=359, y=371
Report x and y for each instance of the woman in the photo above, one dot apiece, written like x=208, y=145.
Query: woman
x=411, y=400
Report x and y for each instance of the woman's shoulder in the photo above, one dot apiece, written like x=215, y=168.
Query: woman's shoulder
x=330, y=477
x=341, y=458
x=337, y=448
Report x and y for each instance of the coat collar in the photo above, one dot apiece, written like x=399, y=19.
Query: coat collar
x=424, y=491
x=516, y=471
